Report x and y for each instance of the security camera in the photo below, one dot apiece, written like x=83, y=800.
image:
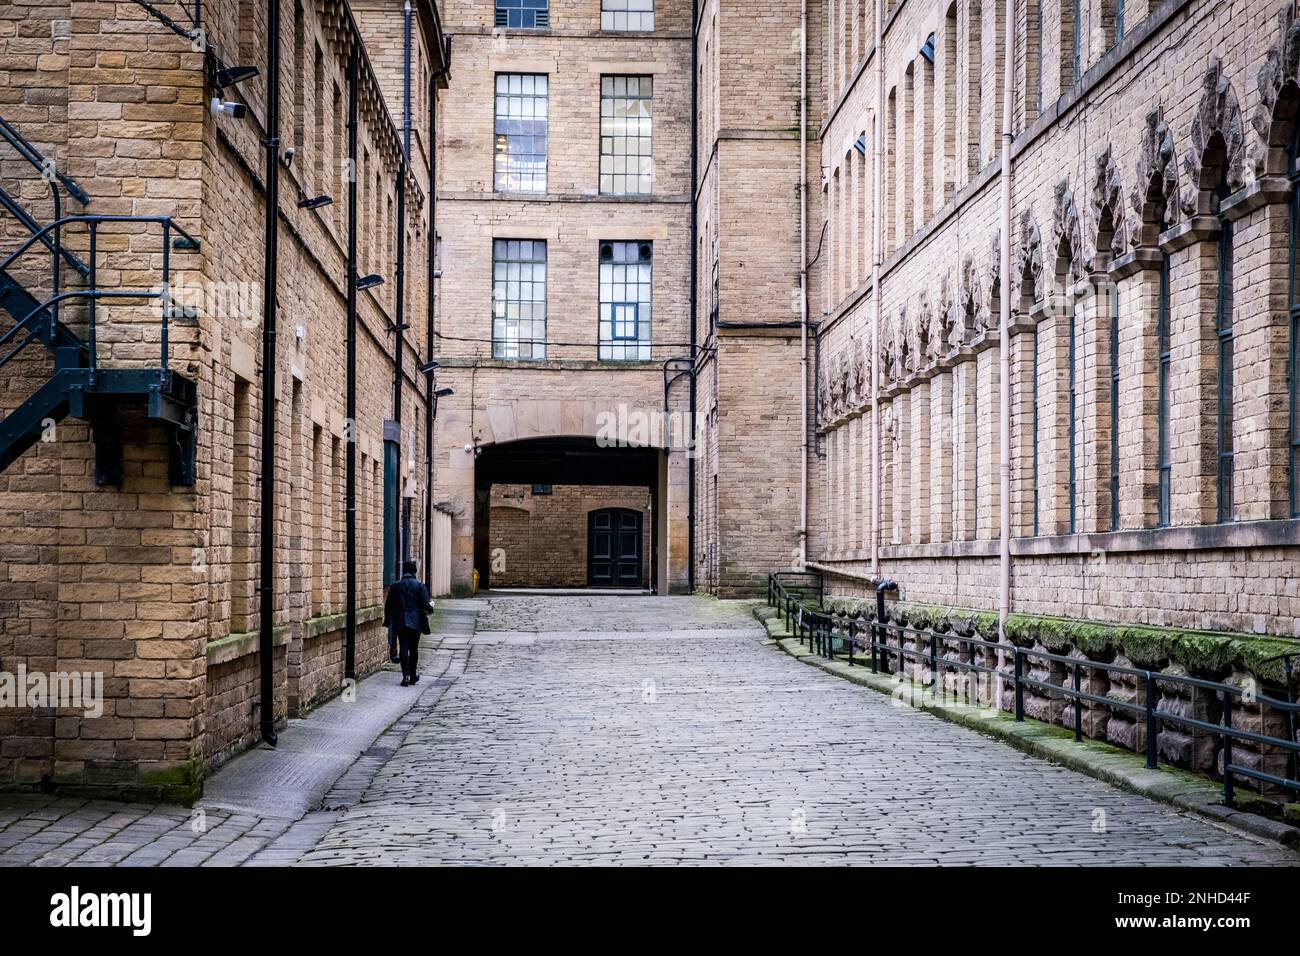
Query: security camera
x=288, y=156
x=222, y=107
x=469, y=448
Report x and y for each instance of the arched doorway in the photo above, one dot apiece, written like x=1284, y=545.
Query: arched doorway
x=614, y=552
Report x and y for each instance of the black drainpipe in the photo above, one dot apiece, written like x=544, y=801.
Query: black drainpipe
x=429, y=407
x=399, y=307
x=266, y=572
x=695, y=242
x=350, y=560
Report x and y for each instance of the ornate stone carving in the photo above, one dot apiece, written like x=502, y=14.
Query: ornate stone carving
x=902, y=351
x=1029, y=258
x=1067, y=233
x=824, y=392
x=857, y=374
x=840, y=384
x=1281, y=65
x=1108, y=196
x=973, y=308
x=1156, y=165
x=891, y=347
x=946, y=318
x=1218, y=112
x=920, y=333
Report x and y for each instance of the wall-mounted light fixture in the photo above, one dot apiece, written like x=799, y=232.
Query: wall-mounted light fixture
x=315, y=202
x=370, y=281
x=231, y=75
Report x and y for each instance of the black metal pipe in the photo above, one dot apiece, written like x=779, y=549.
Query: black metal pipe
x=350, y=492
x=430, y=406
x=695, y=242
x=266, y=571
x=399, y=298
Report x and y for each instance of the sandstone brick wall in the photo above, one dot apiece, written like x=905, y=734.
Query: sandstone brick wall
x=1109, y=173
x=541, y=540
x=748, y=474
x=155, y=584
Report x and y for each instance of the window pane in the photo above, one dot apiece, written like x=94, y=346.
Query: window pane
x=627, y=15
x=625, y=131
x=625, y=301
x=519, y=157
x=519, y=298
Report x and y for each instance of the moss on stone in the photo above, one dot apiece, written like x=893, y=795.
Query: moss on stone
x=1206, y=654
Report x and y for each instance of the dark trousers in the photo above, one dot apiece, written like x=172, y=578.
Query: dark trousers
x=409, y=641
x=392, y=643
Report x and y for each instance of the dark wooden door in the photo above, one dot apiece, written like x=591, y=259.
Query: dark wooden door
x=614, y=548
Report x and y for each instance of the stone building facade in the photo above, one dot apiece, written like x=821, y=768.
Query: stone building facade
x=114, y=562
x=564, y=158
x=1152, y=224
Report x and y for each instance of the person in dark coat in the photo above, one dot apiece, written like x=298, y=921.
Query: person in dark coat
x=406, y=610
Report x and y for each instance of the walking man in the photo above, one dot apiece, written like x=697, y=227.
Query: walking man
x=406, y=610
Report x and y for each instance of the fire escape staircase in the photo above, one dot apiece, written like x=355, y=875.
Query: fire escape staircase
x=77, y=385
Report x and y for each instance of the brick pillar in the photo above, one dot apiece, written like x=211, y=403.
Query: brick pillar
x=964, y=463
x=1094, y=316
x=989, y=443
x=941, y=457
x=919, y=471
x=1139, y=383
x=1194, y=281
x=1261, y=343
x=1022, y=428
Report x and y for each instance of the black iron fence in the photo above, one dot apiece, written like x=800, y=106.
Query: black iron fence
x=989, y=672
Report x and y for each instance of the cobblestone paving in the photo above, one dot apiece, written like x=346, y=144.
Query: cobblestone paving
x=610, y=729
x=644, y=730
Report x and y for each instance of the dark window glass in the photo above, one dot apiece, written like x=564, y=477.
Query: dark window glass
x=523, y=14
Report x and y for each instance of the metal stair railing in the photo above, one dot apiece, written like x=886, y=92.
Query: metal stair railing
x=92, y=293
x=53, y=178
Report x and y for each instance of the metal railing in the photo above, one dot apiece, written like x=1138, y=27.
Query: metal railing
x=825, y=636
x=92, y=293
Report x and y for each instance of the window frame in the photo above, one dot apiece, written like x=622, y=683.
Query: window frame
x=640, y=14
x=625, y=138
x=540, y=13
x=500, y=344
x=501, y=178
x=641, y=344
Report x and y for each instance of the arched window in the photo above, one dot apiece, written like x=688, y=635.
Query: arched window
x=1223, y=329
x=1034, y=51
x=1071, y=34
x=1293, y=365
x=950, y=112
x=974, y=30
